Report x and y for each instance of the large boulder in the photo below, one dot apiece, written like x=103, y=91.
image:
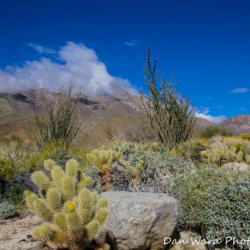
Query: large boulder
x=139, y=220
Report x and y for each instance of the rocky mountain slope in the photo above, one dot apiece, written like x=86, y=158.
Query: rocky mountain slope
x=240, y=124
x=102, y=116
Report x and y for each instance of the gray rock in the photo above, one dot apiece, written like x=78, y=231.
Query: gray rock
x=236, y=165
x=139, y=220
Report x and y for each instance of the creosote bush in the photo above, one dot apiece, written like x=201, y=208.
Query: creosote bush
x=215, y=200
x=214, y=130
x=72, y=214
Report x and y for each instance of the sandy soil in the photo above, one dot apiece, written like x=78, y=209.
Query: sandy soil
x=16, y=234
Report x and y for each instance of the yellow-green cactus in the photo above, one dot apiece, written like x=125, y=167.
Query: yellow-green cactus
x=221, y=155
x=72, y=214
x=103, y=160
x=134, y=171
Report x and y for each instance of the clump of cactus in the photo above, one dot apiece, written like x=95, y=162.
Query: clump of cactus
x=72, y=214
x=103, y=160
x=222, y=155
x=134, y=171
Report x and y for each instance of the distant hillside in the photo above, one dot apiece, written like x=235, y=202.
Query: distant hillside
x=240, y=124
x=103, y=117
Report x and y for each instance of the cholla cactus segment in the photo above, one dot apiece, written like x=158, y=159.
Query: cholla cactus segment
x=92, y=229
x=41, y=180
x=103, y=160
x=103, y=203
x=72, y=215
x=72, y=168
x=54, y=199
x=101, y=215
x=69, y=187
x=42, y=211
x=30, y=199
x=134, y=171
x=57, y=175
x=44, y=232
x=49, y=164
x=85, y=206
x=60, y=221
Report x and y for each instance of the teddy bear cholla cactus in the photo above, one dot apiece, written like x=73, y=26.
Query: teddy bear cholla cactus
x=103, y=160
x=222, y=155
x=134, y=171
x=72, y=214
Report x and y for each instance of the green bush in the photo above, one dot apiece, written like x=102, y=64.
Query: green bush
x=213, y=130
x=6, y=210
x=60, y=156
x=215, y=200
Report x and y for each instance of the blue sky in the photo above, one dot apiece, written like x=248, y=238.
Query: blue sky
x=206, y=44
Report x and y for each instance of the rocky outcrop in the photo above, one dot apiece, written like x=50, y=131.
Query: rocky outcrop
x=139, y=220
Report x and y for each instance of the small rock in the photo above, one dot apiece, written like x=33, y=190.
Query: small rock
x=187, y=242
x=236, y=165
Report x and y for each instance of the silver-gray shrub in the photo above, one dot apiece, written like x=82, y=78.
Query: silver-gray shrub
x=215, y=200
x=7, y=210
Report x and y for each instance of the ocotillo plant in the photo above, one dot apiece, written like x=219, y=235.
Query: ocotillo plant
x=171, y=116
x=72, y=214
x=103, y=160
x=134, y=171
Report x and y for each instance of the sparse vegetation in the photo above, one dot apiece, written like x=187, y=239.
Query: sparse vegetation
x=57, y=120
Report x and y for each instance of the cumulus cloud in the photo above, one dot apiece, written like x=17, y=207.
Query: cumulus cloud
x=135, y=42
x=79, y=64
x=240, y=90
x=214, y=119
x=42, y=49
x=202, y=112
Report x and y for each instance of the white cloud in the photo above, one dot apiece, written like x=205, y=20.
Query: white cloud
x=242, y=108
x=202, y=112
x=79, y=64
x=42, y=49
x=214, y=119
x=135, y=42
x=240, y=90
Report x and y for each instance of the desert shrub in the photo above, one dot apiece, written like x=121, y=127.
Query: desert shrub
x=8, y=170
x=6, y=210
x=60, y=157
x=216, y=201
x=191, y=149
x=13, y=156
x=57, y=118
x=213, y=130
x=158, y=167
x=245, y=137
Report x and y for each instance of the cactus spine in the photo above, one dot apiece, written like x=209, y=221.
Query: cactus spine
x=103, y=160
x=72, y=214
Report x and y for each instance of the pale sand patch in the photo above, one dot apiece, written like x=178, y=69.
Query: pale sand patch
x=13, y=234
